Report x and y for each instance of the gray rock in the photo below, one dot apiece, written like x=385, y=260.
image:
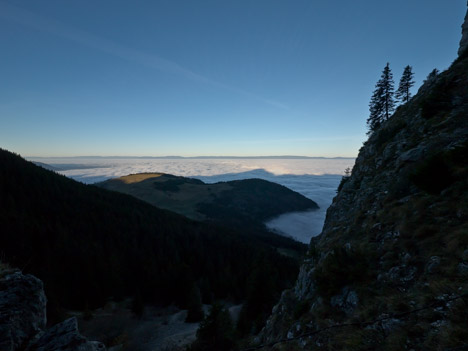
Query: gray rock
x=389, y=325
x=412, y=155
x=346, y=300
x=433, y=264
x=401, y=274
x=406, y=258
x=65, y=336
x=23, y=319
x=465, y=255
x=463, y=268
x=22, y=310
x=305, y=287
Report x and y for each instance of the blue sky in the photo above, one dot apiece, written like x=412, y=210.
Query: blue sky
x=208, y=77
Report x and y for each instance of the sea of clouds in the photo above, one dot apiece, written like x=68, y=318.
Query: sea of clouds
x=315, y=178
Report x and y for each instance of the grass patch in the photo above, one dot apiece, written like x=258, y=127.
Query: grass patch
x=340, y=268
x=441, y=170
x=439, y=101
x=388, y=133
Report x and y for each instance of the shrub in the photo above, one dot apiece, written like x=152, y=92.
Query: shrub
x=343, y=181
x=441, y=170
x=301, y=308
x=195, y=308
x=340, y=268
x=433, y=175
x=216, y=331
x=387, y=133
x=439, y=101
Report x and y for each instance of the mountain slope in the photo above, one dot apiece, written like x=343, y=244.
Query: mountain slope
x=88, y=244
x=239, y=204
x=390, y=269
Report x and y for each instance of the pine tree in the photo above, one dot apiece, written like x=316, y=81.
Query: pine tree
x=403, y=93
x=195, y=308
x=376, y=108
x=432, y=76
x=216, y=331
x=382, y=103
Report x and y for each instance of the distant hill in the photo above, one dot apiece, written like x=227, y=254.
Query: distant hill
x=88, y=244
x=240, y=204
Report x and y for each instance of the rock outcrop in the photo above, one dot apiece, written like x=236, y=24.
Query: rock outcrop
x=464, y=40
x=23, y=319
x=388, y=271
x=22, y=310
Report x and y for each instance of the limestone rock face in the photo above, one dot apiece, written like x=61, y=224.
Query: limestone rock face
x=464, y=40
x=23, y=319
x=22, y=310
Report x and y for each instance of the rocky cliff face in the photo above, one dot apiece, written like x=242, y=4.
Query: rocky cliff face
x=23, y=319
x=390, y=269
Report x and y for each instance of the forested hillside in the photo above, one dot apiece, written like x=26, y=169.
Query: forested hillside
x=89, y=245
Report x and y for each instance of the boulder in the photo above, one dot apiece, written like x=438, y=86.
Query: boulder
x=23, y=319
x=22, y=310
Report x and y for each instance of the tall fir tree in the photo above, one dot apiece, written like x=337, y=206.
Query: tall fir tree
x=382, y=103
x=403, y=93
x=195, y=309
x=216, y=331
x=376, y=109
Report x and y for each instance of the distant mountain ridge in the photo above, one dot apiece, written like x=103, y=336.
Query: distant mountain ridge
x=199, y=157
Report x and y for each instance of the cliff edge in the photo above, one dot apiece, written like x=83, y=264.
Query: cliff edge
x=390, y=268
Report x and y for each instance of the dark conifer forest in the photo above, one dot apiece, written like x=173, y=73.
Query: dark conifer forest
x=90, y=245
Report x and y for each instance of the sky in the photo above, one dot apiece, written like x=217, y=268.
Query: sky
x=208, y=77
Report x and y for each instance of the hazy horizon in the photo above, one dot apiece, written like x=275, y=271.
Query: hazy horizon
x=189, y=157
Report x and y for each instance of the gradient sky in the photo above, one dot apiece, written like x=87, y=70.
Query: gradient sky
x=208, y=77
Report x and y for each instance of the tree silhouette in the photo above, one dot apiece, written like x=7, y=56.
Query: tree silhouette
x=382, y=103
x=195, y=308
x=403, y=93
x=216, y=331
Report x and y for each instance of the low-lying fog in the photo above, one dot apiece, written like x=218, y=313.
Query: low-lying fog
x=315, y=178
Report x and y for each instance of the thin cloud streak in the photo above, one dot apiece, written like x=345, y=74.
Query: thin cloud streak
x=30, y=19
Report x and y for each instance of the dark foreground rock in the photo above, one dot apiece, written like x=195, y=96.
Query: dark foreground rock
x=22, y=310
x=23, y=319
